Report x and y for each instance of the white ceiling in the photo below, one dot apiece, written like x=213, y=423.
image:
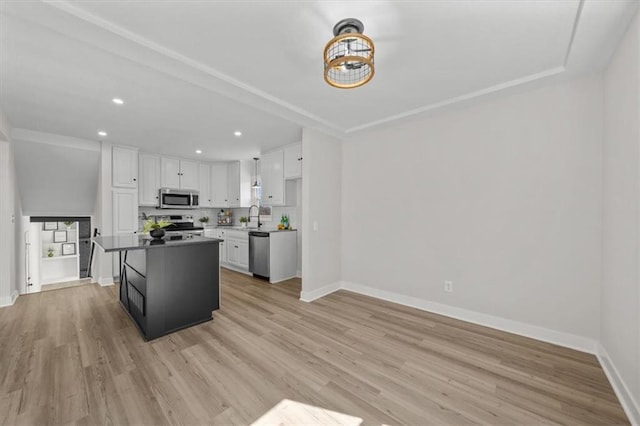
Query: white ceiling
x=193, y=72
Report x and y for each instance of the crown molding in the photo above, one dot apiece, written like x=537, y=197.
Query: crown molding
x=218, y=81
x=482, y=92
x=211, y=79
x=27, y=135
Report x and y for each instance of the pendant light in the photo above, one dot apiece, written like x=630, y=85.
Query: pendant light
x=256, y=184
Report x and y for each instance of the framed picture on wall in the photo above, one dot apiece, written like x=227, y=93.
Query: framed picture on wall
x=50, y=226
x=59, y=236
x=68, y=249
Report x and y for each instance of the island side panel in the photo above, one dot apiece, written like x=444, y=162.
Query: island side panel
x=182, y=287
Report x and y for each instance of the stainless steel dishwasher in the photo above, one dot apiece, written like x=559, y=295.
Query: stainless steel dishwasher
x=259, y=253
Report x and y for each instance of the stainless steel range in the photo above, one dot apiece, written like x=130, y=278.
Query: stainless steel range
x=182, y=224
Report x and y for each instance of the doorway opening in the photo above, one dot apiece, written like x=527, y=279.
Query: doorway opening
x=58, y=252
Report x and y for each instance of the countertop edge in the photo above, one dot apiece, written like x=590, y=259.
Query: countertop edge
x=100, y=242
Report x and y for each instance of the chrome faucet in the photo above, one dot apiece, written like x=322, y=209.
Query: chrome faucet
x=258, y=215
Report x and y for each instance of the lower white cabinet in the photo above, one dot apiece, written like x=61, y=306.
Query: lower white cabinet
x=234, y=248
x=220, y=234
x=237, y=249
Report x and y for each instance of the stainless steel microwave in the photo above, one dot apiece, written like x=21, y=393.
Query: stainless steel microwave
x=178, y=199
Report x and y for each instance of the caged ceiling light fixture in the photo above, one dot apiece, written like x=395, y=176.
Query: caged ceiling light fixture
x=348, y=57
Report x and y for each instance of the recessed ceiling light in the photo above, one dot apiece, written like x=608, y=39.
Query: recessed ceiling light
x=117, y=101
x=198, y=151
x=237, y=133
x=102, y=133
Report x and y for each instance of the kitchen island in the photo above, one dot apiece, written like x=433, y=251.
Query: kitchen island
x=167, y=284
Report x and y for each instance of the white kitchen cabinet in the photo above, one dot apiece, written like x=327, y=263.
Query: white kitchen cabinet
x=125, y=211
x=219, y=234
x=272, y=175
x=169, y=172
x=293, y=161
x=189, y=175
x=239, y=184
x=149, y=182
x=124, y=167
x=219, y=188
x=178, y=174
x=238, y=253
x=222, y=235
x=237, y=249
x=204, y=185
x=125, y=216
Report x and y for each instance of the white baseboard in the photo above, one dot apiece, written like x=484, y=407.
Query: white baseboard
x=310, y=296
x=631, y=408
x=106, y=281
x=9, y=300
x=539, y=333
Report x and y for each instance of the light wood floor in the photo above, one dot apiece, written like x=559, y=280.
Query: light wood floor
x=72, y=356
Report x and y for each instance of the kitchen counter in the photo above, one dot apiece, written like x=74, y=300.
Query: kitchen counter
x=243, y=228
x=139, y=242
x=169, y=284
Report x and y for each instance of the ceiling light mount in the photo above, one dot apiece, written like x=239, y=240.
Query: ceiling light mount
x=348, y=57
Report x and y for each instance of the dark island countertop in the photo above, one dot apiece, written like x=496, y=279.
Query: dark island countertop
x=140, y=242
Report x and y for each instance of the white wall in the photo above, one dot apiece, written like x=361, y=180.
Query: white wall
x=57, y=175
x=620, y=317
x=503, y=198
x=9, y=217
x=321, y=205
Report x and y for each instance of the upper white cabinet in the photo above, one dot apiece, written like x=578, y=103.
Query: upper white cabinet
x=219, y=188
x=169, y=172
x=189, y=175
x=179, y=174
x=204, y=185
x=239, y=184
x=124, y=167
x=272, y=175
x=293, y=161
x=149, y=169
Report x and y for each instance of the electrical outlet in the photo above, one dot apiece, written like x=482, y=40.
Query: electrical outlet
x=448, y=286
